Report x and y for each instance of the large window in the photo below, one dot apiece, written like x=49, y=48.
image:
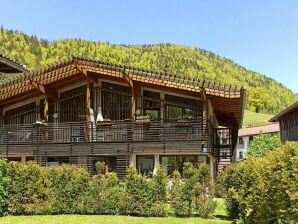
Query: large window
x=26, y=114
x=73, y=105
x=151, y=105
x=182, y=108
x=171, y=163
x=116, y=102
x=145, y=164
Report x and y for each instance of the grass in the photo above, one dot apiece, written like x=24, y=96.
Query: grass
x=252, y=118
x=220, y=212
x=94, y=219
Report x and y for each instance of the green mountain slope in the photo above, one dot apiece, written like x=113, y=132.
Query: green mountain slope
x=255, y=119
x=170, y=58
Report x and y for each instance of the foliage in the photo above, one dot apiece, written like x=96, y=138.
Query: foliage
x=3, y=186
x=28, y=191
x=37, y=190
x=258, y=98
x=262, y=144
x=264, y=189
x=137, y=197
x=195, y=195
x=165, y=57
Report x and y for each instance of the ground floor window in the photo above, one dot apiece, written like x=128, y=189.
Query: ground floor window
x=110, y=163
x=145, y=164
x=175, y=162
x=53, y=161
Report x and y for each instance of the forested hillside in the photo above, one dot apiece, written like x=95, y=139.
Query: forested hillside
x=269, y=96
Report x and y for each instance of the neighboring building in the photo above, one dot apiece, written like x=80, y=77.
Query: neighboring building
x=246, y=135
x=288, y=121
x=8, y=66
x=82, y=111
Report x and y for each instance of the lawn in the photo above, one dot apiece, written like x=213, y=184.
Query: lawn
x=85, y=219
x=252, y=118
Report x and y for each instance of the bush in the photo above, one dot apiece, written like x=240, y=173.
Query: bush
x=37, y=190
x=263, y=144
x=3, y=187
x=194, y=195
x=28, y=190
x=137, y=194
x=264, y=190
x=68, y=185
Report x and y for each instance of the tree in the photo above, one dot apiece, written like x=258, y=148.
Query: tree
x=263, y=144
x=258, y=98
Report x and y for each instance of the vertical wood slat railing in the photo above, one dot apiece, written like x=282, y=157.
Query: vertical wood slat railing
x=110, y=131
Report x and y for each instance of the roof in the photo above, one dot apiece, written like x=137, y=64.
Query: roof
x=265, y=129
x=286, y=111
x=8, y=65
x=227, y=100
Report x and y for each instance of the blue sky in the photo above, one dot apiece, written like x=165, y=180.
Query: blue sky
x=261, y=35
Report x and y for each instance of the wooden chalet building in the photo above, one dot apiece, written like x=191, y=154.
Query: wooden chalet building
x=288, y=122
x=81, y=111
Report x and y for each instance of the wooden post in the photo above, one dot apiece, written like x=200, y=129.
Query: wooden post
x=46, y=109
x=88, y=101
x=133, y=104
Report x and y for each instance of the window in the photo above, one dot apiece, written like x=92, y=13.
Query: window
x=240, y=155
x=171, y=163
x=73, y=105
x=145, y=164
x=240, y=141
x=116, y=101
x=151, y=105
x=182, y=108
x=53, y=161
x=26, y=114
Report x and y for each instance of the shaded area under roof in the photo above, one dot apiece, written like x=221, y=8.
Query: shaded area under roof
x=8, y=65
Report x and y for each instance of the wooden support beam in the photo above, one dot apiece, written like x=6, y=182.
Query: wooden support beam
x=46, y=109
x=81, y=69
x=127, y=79
x=88, y=100
x=41, y=88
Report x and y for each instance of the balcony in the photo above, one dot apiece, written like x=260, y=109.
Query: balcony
x=105, y=131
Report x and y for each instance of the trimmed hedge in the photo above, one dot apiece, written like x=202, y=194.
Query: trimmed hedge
x=37, y=190
x=3, y=187
x=265, y=189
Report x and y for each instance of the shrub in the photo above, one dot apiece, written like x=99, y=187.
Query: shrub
x=137, y=195
x=193, y=196
x=28, y=190
x=264, y=190
x=3, y=186
x=263, y=144
x=159, y=193
x=69, y=184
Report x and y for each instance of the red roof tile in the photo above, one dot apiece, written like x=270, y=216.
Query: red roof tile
x=269, y=128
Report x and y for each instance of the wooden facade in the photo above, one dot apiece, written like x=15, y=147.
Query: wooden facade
x=81, y=111
x=288, y=122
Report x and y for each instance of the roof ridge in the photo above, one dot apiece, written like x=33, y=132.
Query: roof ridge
x=68, y=60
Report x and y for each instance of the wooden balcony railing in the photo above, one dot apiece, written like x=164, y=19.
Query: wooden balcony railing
x=109, y=131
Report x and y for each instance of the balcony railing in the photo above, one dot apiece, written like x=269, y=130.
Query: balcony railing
x=107, y=131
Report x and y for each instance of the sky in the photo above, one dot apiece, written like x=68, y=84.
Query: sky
x=261, y=35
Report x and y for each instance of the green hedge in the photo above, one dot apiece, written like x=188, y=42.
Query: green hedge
x=37, y=190
x=3, y=187
x=265, y=189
